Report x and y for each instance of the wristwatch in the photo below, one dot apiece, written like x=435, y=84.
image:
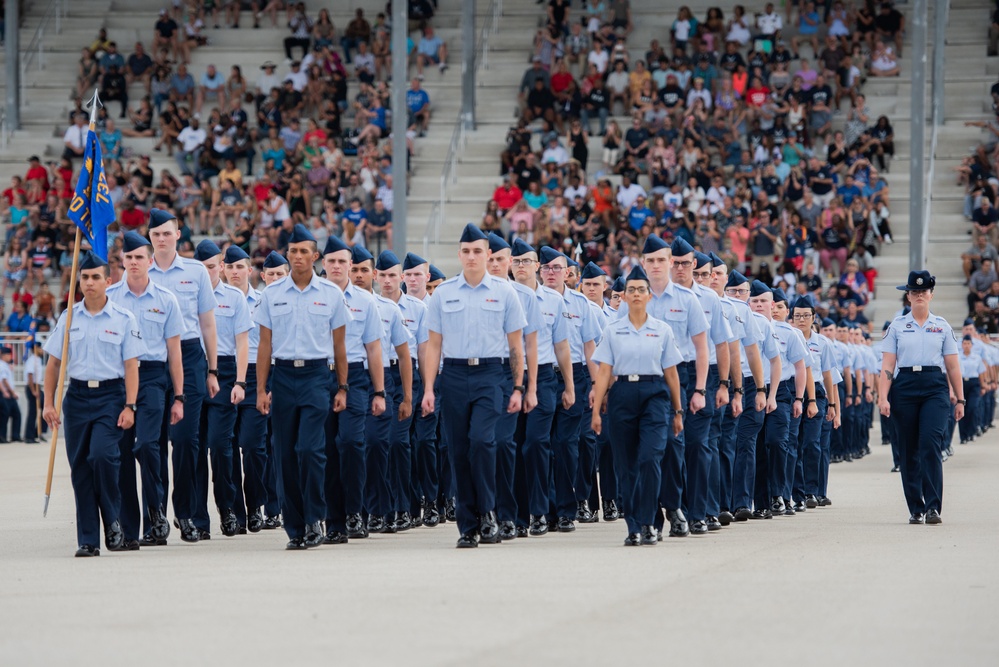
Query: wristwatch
x=700, y=391
x=724, y=383
x=345, y=387
x=213, y=371
x=132, y=406
x=809, y=400
x=737, y=390
x=761, y=390
x=379, y=394
x=179, y=398
x=678, y=413
x=961, y=401
x=240, y=384
x=521, y=388
x=799, y=398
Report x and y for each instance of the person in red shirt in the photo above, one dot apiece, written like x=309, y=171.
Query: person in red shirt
x=16, y=187
x=131, y=218
x=507, y=195
x=37, y=180
x=757, y=93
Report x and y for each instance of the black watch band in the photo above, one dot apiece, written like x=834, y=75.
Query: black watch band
x=240, y=383
x=724, y=383
x=342, y=387
x=700, y=391
x=213, y=371
x=521, y=388
x=799, y=398
x=678, y=413
x=737, y=390
x=179, y=398
x=961, y=401
x=379, y=394
x=761, y=390
x=809, y=400
x=133, y=407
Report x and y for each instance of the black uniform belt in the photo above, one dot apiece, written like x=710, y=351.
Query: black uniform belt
x=226, y=359
x=639, y=378
x=190, y=342
x=95, y=384
x=577, y=367
x=300, y=363
x=353, y=366
x=150, y=365
x=687, y=365
x=547, y=367
x=919, y=369
x=477, y=361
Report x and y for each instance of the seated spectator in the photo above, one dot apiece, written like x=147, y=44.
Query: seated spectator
x=985, y=222
x=358, y=30
x=165, y=36
x=883, y=61
x=139, y=67
x=110, y=138
x=506, y=195
x=191, y=141
x=75, y=138
x=192, y=36
x=301, y=31
x=87, y=73
x=979, y=251
x=212, y=87
x=418, y=107
x=182, y=86
x=378, y=227
x=889, y=25
x=981, y=282
x=15, y=264
x=431, y=50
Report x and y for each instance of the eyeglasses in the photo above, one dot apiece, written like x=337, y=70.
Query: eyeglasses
x=702, y=275
x=918, y=292
x=637, y=290
x=737, y=292
x=684, y=264
x=802, y=316
x=552, y=269
x=522, y=262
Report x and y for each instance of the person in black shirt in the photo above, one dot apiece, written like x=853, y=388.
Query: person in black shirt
x=636, y=140
x=731, y=58
x=889, y=24
x=820, y=181
x=114, y=87
x=985, y=219
x=820, y=97
x=596, y=103
x=672, y=94
x=540, y=103
x=527, y=172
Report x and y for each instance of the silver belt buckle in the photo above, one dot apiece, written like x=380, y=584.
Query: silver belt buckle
x=298, y=363
x=473, y=362
x=917, y=369
x=633, y=378
x=93, y=384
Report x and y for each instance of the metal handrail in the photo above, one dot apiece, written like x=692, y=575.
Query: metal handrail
x=36, y=47
x=3, y=130
x=459, y=139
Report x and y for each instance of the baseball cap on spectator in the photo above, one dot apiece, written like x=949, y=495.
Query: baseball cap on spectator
x=268, y=65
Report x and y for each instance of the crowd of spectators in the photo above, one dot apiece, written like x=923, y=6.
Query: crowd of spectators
x=748, y=135
x=301, y=141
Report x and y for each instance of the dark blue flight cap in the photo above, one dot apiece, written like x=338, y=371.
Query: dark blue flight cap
x=779, y=295
x=497, y=242
x=158, y=216
x=569, y=261
x=968, y=320
x=386, y=260
x=520, y=248
x=700, y=259
x=360, y=254
x=472, y=233
x=654, y=244
x=412, y=261
x=132, y=241
x=716, y=260
x=919, y=280
x=757, y=288
x=301, y=234
x=206, y=250
x=637, y=273
x=436, y=274
x=550, y=254
x=680, y=247
x=591, y=271
x=618, y=285
x=234, y=254
x=89, y=260
x=274, y=260
x=735, y=279
x=888, y=324
x=335, y=244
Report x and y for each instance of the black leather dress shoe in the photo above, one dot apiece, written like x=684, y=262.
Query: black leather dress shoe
x=255, y=521
x=114, y=538
x=933, y=518
x=335, y=537
x=160, y=526
x=431, y=517
x=522, y=531
x=469, y=540
x=355, y=527
x=204, y=535
x=777, y=505
x=611, y=511
x=788, y=509
x=800, y=506
x=894, y=469
x=314, y=535
x=376, y=524
x=415, y=519
x=188, y=531
x=227, y=522
x=87, y=551
x=650, y=536
x=449, y=510
x=241, y=530
x=489, y=529
x=272, y=523
x=916, y=518
x=296, y=544
x=130, y=545
x=507, y=530
x=565, y=525
x=762, y=514
x=539, y=526
x=403, y=522
x=743, y=514
x=390, y=523
x=583, y=513
x=811, y=502
x=824, y=501
x=148, y=540
x=713, y=523
x=699, y=528
x=725, y=517
x=677, y=523
x=633, y=540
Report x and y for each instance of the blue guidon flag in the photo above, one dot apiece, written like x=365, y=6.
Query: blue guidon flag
x=91, y=208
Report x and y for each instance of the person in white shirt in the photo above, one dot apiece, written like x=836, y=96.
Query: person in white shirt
x=555, y=153
x=191, y=140
x=299, y=79
x=628, y=193
x=34, y=378
x=769, y=23
x=599, y=58
x=267, y=81
x=75, y=138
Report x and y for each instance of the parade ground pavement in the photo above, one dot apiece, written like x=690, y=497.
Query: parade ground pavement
x=851, y=584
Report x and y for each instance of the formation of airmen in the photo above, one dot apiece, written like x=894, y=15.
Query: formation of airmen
x=510, y=399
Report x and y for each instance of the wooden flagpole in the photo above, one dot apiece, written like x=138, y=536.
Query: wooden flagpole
x=57, y=399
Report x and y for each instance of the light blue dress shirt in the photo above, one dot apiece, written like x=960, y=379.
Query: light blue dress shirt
x=475, y=321
x=232, y=317
x=791, y=344
x=767, y=341
x=252, y=302
x=719, y=330
x=555, y=328
x=394, y=332
x=680, y=309
x=645, y=351
x=532, y=313
x=365, y=325
x=971, y=365
x=156, y=312
x=601, y=318
x=915, y=345
x=583, y=326
x=302, y=321
x=414, y=317
x=188, y=280
x=99, y=344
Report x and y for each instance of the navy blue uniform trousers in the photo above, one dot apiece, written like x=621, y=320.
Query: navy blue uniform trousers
x=346, y=449
x=218, y=423
x=90, y=427
x=534, y=450
x=809, y=455
x=771, y=446
x=183, y=435
x=141, y=444
x=698, y=453
x=401, y=452
x=249, y=469
x=566, y=429
x=377, y=487
x=744, y=468
x=423, y=435
x=920, y=403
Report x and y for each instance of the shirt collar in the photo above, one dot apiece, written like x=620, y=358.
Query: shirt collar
x=175, y=264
